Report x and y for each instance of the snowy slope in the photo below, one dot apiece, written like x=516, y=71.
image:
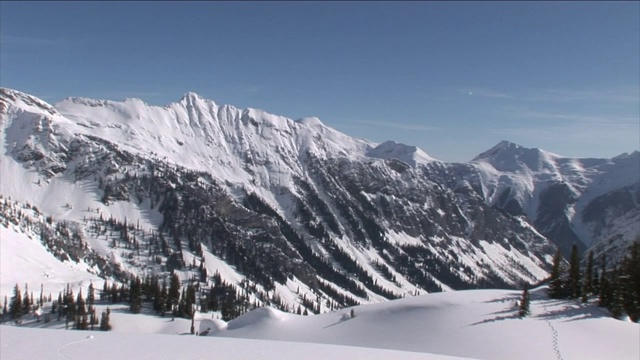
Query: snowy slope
x=51, y=344
x=478, y=324
x=23, y=260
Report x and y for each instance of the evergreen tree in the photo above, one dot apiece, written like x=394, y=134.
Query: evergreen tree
x=80, y=305
x=556, y=290
x=114, y=294
x=573, y=280
x=15, y=306
x=160, y=301
x=190, y=300
x=604, y=297
x=524, y=302
x=615, y=301
x=135, y=295
x=105, y=291
x=104, y=321
x=91, y=296
x=587, y=288
x=5, y=307
x=92, y=316
x=26, y=303
x=630, y=282
x=69, y=305
x=84, y=322
x=596, y=283
x=604, y=290
x=173, y=296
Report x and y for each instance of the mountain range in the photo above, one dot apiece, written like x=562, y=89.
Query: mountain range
x=292, y=212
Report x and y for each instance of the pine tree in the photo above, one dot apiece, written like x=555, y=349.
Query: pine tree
x=573, y=280
x=5, y=307
x=91, y=296
x=630, y=282
x=84, y=322
x=104, y=321
x=70, y=305
x=604, y=296
x=524, y=302
x=190, y=300
x=135, y=295
x=173, y=296
x=615, y=302
x=15, y=306
x=92, y=316
x=587, y=288
x=80, y=305
x=556, y=290
x=160, y=301
x=26, y=303
x=604, y=290
x=105, y=291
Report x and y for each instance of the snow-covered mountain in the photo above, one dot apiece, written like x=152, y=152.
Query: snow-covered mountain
x=594, y=203
x=285, y=212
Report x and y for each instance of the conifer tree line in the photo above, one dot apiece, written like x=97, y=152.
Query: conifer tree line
x=78, y=312
x=617, y=288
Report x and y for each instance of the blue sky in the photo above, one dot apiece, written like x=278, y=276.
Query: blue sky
x=453, y=78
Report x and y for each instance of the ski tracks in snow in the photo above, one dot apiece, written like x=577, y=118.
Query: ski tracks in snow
x=71, y=343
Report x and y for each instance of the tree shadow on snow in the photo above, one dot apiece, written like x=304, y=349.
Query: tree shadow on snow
x=509, y=314
x=573, y=311
x=507, y=298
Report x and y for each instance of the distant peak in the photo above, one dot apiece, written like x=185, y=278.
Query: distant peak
x=408, y=154
x=505, y=144
x=625, y=155
x=499, y=148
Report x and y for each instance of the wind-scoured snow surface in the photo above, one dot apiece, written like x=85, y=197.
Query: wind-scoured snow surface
x=477, y=324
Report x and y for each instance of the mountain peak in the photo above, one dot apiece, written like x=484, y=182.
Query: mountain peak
x=15, y=97
x=192, y=98
x=501, y=147
x=508, y=156
x=408, y=154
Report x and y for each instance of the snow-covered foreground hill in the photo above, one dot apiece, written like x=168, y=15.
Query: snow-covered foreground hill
x=51, y=344
x=480, y=324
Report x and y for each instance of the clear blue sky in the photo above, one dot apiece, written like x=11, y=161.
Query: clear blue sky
x=453, y=78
